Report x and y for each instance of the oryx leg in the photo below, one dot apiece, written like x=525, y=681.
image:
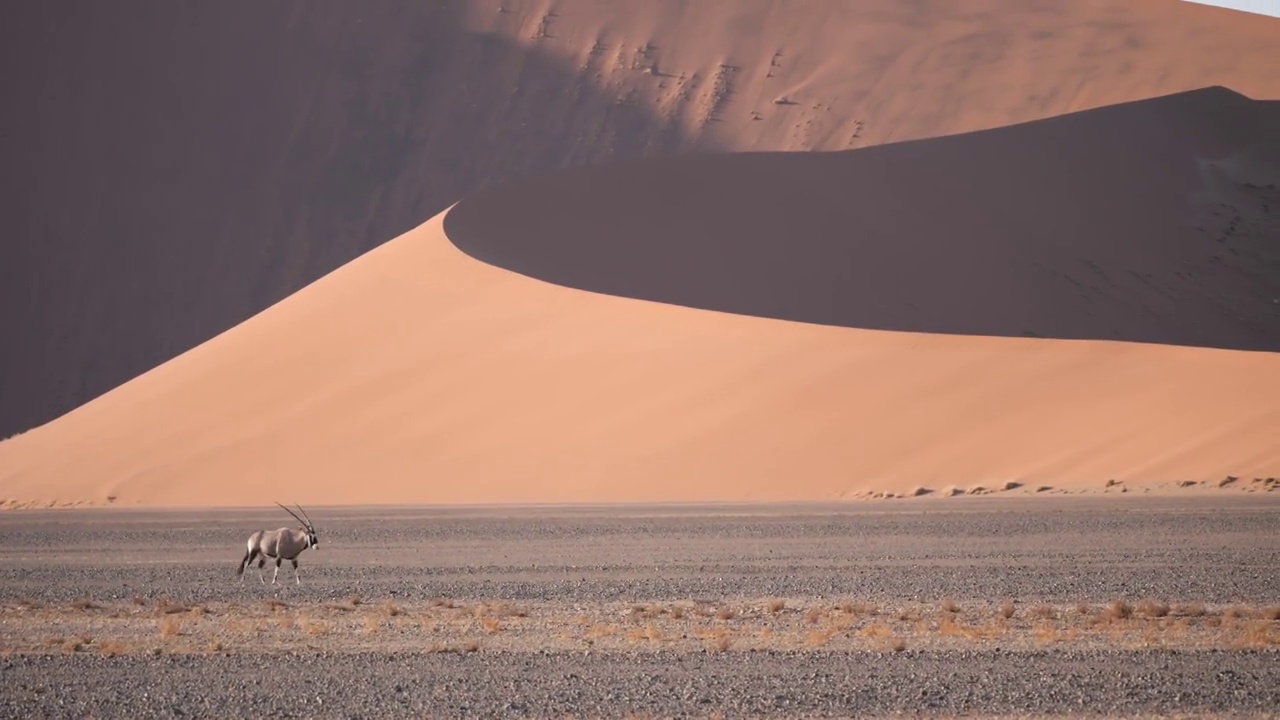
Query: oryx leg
x=249, y=555
x=262, y=562
x=277, y=572
x=296, y=578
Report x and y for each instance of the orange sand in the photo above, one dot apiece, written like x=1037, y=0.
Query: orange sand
x=418, y=374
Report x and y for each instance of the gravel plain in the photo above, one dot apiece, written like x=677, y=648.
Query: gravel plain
x=851, y=610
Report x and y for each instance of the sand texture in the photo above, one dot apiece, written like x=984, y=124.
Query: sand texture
x=1038, y=256
x=173, y=168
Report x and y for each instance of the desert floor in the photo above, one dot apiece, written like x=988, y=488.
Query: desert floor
x=974, y=606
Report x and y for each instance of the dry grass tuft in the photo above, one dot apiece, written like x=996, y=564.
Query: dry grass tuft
x=775, y=606
x=214, y=646
x=28, y=604
x=372, y=624
x=139, y=600
x=813, y=615
x=274, y=604
x=84, y=604
x=170, y=627
x=676, y=612
x=721, y=641
x=491, y=625
x=876, y=630
x=949, y=606
x=315, y=627
x=818, y=638
x=726, y=613
x=1271, y=613
x=112, y=648
x=390, y=609
x=1195, y=609
x=73, y=644
x=1236, y=612
x=1046, y=634
x=1120, y=610
x=898, y=644
x=1153, y=609
x=1084, y=608
x=949, y=627
x=1007, y=609
x=1043, y=612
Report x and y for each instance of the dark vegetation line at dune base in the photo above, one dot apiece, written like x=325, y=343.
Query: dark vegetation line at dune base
x=1150, y=221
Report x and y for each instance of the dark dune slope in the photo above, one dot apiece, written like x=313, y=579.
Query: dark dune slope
x=1113, y=223
x=174, y=166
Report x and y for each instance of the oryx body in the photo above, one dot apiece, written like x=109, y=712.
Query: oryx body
x=281, y=544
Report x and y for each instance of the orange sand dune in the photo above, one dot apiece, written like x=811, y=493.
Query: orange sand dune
x=417, y=374
x=173, y=167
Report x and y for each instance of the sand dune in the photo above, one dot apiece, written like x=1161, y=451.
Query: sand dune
x=418, y=374
x=1101, y=224
x=173, y=167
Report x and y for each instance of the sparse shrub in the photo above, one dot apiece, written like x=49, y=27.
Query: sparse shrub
x=1271, y=613
x=1084, y=608
x=215, y=646
x=491, y=625
x=776, y=605
x=676, y=612
x=73, y=644
x=949, y=606
x=726, y=613
x=372, y=624
x=1120, y=610
x=1007, y=609
x=898, y=644
x=84, y=604
x=813, y=615
x=470, y=646
x=139, y=600
x=391, y=609
x=315, y=627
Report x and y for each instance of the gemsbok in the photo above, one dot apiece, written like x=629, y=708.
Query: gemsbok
x=282, y=544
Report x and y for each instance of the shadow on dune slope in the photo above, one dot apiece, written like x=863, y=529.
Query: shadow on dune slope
x=173, y=167
x=1117, y=223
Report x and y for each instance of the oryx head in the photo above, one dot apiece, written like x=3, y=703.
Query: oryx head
x=312, y=540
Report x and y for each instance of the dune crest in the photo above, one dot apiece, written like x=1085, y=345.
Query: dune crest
x=1145, y=221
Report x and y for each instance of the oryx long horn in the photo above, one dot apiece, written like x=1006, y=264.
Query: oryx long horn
x=304, y=514
x=295, y=515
